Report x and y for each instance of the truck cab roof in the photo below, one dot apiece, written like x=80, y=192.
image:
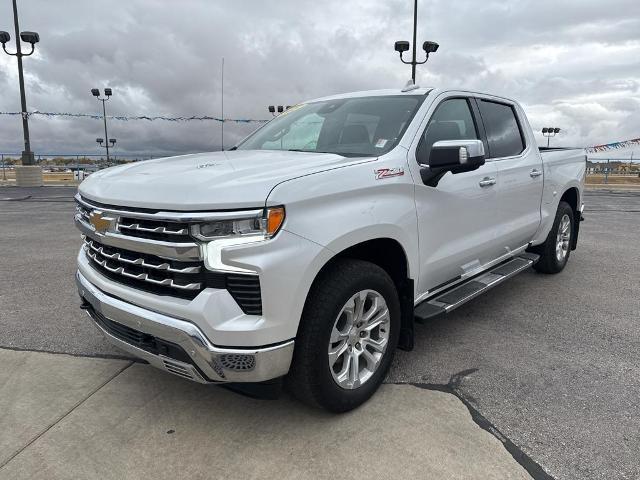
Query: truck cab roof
x=375, y=93
x=416, y=91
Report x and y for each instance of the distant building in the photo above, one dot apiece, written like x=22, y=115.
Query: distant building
x=614, y=167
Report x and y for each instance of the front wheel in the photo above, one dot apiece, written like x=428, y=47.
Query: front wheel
x=347, y=337
x=554, y=252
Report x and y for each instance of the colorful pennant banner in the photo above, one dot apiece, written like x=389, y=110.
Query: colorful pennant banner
x=613, y=146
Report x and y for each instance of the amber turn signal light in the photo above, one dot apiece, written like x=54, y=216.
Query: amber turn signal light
x=275, y=219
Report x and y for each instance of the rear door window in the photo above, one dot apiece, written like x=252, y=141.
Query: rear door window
x=503, y=131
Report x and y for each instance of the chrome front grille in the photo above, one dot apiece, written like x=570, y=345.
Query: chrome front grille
x=135, y=259
x=153, y=251
x=154, y=229
x=83, y=212
x=162, y=230
x=180, y=277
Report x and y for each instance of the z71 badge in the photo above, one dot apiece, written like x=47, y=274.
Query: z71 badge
x=383, y=173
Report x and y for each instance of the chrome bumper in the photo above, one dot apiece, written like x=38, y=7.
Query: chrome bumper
x=208, y=362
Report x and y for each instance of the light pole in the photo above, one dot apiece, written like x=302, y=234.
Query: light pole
x=222, y=109
x=28, y=158
x=402, y=46
x=550, y=132
x=107, y=94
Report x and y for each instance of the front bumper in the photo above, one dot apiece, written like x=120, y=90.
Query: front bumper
x=178, y=346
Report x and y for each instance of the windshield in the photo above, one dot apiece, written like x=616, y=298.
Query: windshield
x=351, y=127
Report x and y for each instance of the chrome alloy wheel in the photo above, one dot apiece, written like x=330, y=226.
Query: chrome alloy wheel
x=359, y=339
x=563, y=237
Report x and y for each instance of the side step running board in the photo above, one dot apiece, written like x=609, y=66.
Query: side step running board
x=452, y=298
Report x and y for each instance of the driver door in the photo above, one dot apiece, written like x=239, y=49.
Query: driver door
x=457, y=219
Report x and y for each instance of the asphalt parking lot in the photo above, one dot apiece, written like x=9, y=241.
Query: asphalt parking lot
x=549, y=364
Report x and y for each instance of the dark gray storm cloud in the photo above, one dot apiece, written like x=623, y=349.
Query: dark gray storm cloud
x=575, y=64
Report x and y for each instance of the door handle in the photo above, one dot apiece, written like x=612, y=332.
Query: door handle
x=535, y=173
x=487, y=182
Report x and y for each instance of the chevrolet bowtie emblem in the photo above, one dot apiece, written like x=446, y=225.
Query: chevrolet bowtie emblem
x=99, y=221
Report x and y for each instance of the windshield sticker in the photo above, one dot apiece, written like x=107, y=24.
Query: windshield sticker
x=383, y=173
x=381, y=143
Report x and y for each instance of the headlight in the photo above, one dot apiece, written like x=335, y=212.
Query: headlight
x=245, y=226
x=239, y=229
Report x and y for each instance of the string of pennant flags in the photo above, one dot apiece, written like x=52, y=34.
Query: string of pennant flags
x=613, y=146
x=126, y=118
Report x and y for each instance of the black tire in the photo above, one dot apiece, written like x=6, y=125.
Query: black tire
x=549, y=261
x=310, y=379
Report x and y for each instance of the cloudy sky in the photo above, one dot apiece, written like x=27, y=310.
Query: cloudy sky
x=573, y=64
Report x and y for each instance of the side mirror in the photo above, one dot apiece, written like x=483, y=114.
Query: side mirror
x=455, y=156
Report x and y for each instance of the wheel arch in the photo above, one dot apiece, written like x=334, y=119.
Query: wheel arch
x=390, y=255
x=572, y=196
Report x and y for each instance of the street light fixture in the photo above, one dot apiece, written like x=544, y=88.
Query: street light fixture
x=106, y=145
x=550, y=132
x=30, y=37
x=279, y=109
x=28, y=157
x=402, y=46
x=107, y=94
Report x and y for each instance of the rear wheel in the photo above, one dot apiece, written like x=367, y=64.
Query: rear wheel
x=347, y=337
x=554, y=252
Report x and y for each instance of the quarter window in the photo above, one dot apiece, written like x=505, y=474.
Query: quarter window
x=503, y=132
x=452, y=120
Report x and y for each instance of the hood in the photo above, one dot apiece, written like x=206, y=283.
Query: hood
x=206, y=181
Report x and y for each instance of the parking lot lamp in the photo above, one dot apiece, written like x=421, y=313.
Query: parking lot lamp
x=273, y=108
x=402, y=46
x=31, y=175
x=550, y=132
x=107, y=95
x=111, y=141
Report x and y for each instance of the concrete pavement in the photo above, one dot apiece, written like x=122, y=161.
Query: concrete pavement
x=66, y=417
x=37, y=390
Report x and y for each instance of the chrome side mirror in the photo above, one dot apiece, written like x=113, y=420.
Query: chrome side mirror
x=455, y=156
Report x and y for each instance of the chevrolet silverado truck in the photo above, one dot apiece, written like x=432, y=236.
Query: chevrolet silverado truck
x=306, y=253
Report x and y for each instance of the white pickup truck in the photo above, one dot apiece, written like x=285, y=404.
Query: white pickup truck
x=310, y=248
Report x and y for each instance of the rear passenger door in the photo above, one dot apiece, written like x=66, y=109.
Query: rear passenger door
x=519, y=182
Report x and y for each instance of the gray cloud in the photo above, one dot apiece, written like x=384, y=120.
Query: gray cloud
x=572, y=63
